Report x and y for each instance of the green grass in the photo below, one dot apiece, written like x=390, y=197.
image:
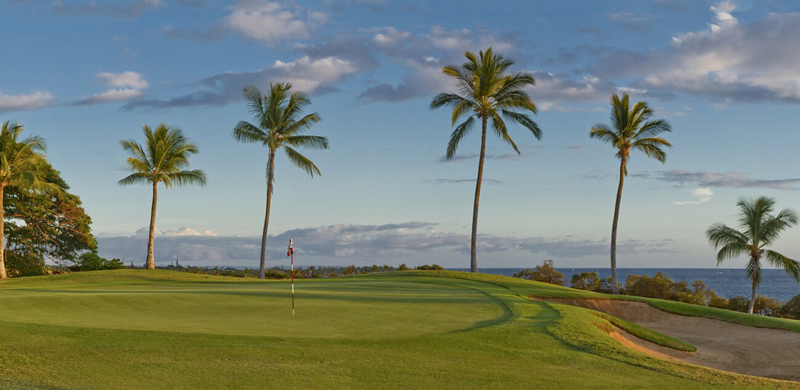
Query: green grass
x=412, y=330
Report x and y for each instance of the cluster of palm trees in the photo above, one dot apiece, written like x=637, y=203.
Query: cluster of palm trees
x=166, y=152
x=485, y=95
x=488, y=95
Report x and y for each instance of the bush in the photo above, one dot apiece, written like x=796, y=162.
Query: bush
x=766, y=306
x=435, y=267
x=543, y=273
x=586, y=281
x=24, y=264
x=791, y=309
x=739, y=303
x=403, y=267
x=91, y=261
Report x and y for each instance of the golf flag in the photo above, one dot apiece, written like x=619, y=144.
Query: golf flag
x=291, y=250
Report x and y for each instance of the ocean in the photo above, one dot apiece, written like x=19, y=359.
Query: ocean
x=726, y=282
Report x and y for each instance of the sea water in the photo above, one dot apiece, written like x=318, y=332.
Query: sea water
x=726, y=282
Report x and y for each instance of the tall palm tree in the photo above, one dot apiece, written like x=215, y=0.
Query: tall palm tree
x=631, y=129
x=22, y=164
x=160, y=160
x=759, y=229
x=279, y=125
x=487, y=94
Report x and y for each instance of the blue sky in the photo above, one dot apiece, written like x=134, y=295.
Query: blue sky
x=85, y=75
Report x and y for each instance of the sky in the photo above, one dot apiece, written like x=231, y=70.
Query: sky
x=87, y=74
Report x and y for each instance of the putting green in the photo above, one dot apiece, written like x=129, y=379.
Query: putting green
x=328, y=308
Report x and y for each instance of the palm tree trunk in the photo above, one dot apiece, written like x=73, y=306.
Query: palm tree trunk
x=3, y=274
x=473, y=265
x=756, y=271
x=614, y=280
x=270, y=165
x=150, y=261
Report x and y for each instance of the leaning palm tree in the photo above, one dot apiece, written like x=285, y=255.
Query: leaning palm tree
x=759, y=229
x=160, y=159
x=279, y=125
x=486, y=94
x=631, y=129
x=21, y=165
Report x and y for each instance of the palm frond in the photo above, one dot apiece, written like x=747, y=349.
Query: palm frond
x=135, y=178
x=791, y=267
x=458, y=134
x=308, y=141
x=301, y=161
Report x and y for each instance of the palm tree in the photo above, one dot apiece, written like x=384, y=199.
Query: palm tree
x=487, y=94
x=631, y=129
x=21, y=165
x=760, y=229
x=278, y=125
x=161, y=159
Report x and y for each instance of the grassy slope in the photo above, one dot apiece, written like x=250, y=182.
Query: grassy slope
x=401, y=330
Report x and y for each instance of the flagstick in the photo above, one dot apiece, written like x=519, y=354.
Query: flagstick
x=292, y=282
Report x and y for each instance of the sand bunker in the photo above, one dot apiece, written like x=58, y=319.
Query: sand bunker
x=722, y=345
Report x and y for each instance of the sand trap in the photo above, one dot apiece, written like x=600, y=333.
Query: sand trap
x=722, y=345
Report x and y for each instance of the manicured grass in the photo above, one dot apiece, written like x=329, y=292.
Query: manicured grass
x=411, y=330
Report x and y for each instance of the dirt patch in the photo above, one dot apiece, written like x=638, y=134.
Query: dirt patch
x=722, y=345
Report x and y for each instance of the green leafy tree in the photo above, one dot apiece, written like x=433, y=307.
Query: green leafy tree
x=586, y=281
x=279, y=125
x=544, y=273
x=759, y=229
x=631, y=129
x=21, y=163
x=53, y=224
x=160, y=160
x=488, y=95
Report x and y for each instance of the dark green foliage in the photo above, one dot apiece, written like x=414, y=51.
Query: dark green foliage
x=586, y=281
x=739, y=303
x=545, y=273
x=435, y=267
x=662, y=287
x=91, y=261
x=403, y=267
x=24, y=264
x=349, y=270
x=791, y=309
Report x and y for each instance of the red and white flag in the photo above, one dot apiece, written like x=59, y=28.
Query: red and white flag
x=291, y=250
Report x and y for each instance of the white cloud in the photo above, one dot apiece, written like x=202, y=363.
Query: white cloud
x=702, y=195
x=271, y=22
x=350, y=243
x=732, y=60
x=182, y=232
x=125, y=79
x=31, y=101
x=122, y=86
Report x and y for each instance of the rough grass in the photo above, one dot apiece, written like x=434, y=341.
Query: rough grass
x=412, y=330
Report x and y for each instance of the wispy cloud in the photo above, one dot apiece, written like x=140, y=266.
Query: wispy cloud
x=702, y=195
x=30, y=101
x=723, y=180
x=459, y=181
x=116, y=9
x=305, y=73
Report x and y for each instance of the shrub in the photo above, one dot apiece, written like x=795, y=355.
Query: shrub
x=349, y=270
x=91, y=261
x=24, y=264
x=543, y=273
x=739, y=303
x=586, y=281
x=403, y=267
x=435, y=267
x=791, y=309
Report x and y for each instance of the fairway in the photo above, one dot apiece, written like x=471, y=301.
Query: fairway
x=139, y=329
